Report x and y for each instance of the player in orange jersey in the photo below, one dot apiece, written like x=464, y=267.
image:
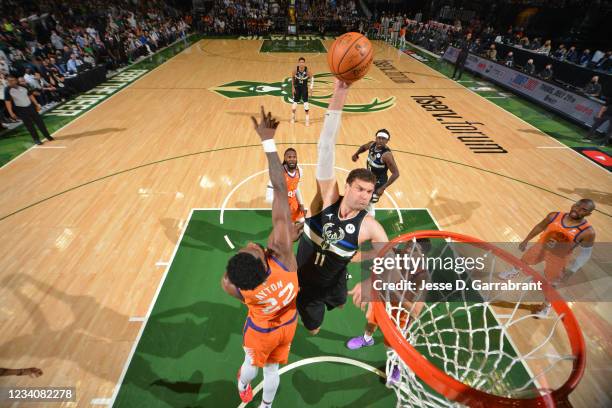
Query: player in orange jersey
x=560, y=233
x=293, y=174
x=265, y=279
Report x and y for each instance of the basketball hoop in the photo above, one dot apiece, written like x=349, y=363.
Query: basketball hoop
x=416, y=344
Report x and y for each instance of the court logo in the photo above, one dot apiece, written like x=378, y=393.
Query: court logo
x=320, y=97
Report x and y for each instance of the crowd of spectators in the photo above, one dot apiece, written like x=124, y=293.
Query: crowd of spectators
x=243, y=17
x=328, y=16
x=436, y=37
x=259, y=17
x=45, y=43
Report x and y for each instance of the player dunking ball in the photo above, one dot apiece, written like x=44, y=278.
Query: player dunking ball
x=266, y=281
x=380, y=161
x=560, y=233
x=299, y=79
x=293, y=175
x=337, y=227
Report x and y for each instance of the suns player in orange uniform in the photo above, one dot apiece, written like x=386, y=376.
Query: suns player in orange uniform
x=265, y=279
x=293, y=174
x=560, y=233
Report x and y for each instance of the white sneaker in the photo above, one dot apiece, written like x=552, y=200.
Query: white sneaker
x=508, y=274
x=543, y=312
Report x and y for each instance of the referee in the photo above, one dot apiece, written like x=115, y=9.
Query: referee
x=20, y=103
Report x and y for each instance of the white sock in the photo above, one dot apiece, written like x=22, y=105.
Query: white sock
x=247, y=373
x=265, y=405
x=367, y=337
x=271, y=381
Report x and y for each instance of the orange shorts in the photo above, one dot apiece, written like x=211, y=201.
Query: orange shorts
x=266, y=346
x=296, y=213
x=553, y=264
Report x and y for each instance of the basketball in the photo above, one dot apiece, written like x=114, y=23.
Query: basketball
x=350, y=57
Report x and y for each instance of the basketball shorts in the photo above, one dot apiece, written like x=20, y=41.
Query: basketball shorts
x=296, y=213
x=301, y=94
x=268, y=345
x=313, y=300
x=553, y=264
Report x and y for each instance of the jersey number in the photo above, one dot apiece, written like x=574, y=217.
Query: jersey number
x=320, y=258
x=272, y=302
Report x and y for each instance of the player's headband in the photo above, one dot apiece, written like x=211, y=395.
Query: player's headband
x=383, y=134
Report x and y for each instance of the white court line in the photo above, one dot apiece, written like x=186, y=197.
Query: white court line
x=229, y=242
x=321, y=359
x=100, y=401
x=137, y=319
x=159, y=286
x=161, y=263
x=48, y=147
x=495, y=97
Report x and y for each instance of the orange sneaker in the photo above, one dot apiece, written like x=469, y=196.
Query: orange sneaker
x=247, y=395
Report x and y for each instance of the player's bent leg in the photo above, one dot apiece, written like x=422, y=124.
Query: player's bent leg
x=246, y=374
x=366, y=340
x=532, y=256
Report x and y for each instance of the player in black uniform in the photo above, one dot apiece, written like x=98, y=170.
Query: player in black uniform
x=338, y=226
x=380, y=161
x=299, y=79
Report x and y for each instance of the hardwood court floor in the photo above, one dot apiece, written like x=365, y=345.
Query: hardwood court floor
x=91, y=222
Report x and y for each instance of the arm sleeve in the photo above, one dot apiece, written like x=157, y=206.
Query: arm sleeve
x=583, y=257
x=327, y=144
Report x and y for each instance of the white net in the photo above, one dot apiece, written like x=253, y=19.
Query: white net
x=473, y=341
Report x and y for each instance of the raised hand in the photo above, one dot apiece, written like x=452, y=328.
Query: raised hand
x=267, y=126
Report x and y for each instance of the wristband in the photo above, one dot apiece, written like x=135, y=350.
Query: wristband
x=269, y=146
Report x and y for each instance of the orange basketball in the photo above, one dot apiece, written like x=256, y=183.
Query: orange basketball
x=350, y=57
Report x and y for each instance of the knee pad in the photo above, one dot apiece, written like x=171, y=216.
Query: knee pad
x=294, y=106
x=306, y=106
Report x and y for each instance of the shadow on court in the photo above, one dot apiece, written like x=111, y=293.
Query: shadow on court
x=209, y=236
x=362, y=390
x=603, y=197
x=447, y=205
x=90, y=133
x=88, y=324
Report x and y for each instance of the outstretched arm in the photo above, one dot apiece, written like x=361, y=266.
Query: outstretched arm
x=537, y=230
x=327, y=187
x=362, y=148
x=281, y=238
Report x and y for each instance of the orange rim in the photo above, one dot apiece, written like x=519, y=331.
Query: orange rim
x=458, y=391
